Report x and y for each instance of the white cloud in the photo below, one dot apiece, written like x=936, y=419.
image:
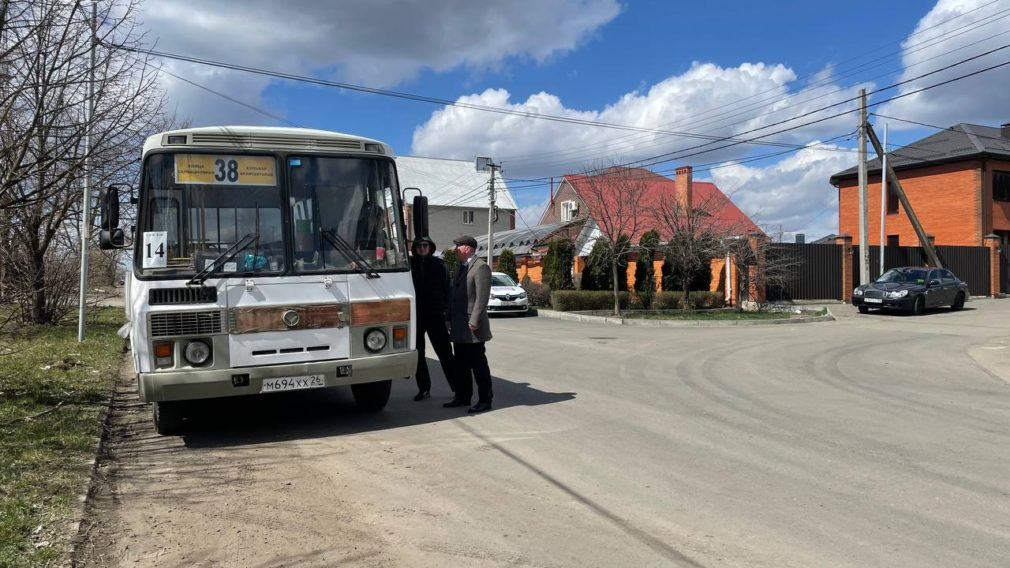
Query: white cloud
x=982, y=99
x=696, y=101
x=529, y=215
x=793, y=193
x=376, y=43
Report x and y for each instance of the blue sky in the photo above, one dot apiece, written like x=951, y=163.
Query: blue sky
x=716, y=69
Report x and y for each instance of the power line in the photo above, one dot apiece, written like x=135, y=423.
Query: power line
x=887, y=88
x=421, y=98
x=826, y=94
x=908, y=49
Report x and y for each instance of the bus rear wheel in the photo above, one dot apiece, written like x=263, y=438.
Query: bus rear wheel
x=372, y=397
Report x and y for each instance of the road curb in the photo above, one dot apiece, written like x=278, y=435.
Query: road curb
x=611, y=320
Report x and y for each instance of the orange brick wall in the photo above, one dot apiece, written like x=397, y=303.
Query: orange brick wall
x=945, y=198
x=534, y=272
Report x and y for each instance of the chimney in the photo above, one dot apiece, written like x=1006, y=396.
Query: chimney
x=800, y=238
x=1004, y=130
x=682, y=182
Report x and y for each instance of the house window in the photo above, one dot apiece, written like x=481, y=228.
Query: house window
x=892, y=240
x=568, y=210
x=468, y=217
x=892, y=200
x=1001, y=186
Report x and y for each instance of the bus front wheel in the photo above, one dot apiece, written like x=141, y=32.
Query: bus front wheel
x=372, y=397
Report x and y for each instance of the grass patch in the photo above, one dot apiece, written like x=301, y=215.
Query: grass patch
x=53, y=391
x=706, y=315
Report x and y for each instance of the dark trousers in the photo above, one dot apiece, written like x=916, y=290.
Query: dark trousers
x=439, y=336
x=471, y=361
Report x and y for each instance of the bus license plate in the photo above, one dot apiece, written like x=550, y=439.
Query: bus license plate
x=292, y=383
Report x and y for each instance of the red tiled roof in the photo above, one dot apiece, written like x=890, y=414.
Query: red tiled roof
x=726, y=215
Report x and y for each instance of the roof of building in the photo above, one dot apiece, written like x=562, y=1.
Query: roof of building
x=959, y=142
x=452, y=183
x=726, y=215
x=519, y=241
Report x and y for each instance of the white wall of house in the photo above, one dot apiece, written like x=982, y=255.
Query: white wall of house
x=457, y=197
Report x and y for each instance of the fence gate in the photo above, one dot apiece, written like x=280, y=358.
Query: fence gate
x=803, y=272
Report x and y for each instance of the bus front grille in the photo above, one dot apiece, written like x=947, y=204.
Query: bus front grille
x=173, y=296
x=171, y=324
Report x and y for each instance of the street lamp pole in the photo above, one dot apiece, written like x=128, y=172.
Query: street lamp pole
x=89, y=111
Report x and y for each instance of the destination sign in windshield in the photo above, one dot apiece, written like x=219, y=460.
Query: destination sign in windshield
x=213, y=169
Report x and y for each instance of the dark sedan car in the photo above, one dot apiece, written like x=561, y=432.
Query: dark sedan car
x=912, y=289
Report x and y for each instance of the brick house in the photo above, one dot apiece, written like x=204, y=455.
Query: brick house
x=570, y=203
x=957, y=181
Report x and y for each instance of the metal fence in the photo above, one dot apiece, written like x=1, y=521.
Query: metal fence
x=970, y=264
x=803, y=272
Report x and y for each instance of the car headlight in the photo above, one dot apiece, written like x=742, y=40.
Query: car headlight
x=522, y=296
x=375, y=340
x=898, y=294
x=197, y=352
x=857, y=292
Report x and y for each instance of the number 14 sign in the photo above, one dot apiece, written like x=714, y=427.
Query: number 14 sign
x=154, y=249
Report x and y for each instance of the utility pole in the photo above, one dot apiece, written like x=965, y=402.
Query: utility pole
x=864, y=234
x=89, y=109
x=490, y=217
x=485, y=164
x=883, y=199
x=895, y=184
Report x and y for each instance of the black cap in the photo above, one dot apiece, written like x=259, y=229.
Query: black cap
x=465, y=240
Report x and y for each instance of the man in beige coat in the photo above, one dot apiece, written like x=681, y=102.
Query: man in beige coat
x=469, y=327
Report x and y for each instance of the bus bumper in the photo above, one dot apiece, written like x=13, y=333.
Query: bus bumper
x=216, y=383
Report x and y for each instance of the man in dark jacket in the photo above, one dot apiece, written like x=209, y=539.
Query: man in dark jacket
x=431, y=285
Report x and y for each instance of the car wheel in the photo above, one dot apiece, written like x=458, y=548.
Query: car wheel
x=919, y=306
x=372, y=397
x=167, y=418
x=863, y=309
x=958, y=302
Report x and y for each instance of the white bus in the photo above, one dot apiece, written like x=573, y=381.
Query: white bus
x=266, y=260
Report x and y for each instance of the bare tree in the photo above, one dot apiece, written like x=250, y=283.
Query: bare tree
x=697, y=231
x=46, y=67
x=617, y=200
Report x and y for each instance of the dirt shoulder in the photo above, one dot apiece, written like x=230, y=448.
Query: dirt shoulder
x=173, y=501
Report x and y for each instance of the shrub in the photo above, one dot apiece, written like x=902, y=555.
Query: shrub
x=585, y=300
x=451, y=262
x=557, y=264
x=507, y=263
x=700, y=300
x=538, y=294
x=596, y=272
x=645, y=273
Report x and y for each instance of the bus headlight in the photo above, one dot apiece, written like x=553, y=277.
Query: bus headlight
x=197, y=352
x=375, y=340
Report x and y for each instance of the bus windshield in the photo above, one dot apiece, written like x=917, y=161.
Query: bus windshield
x=197, y=207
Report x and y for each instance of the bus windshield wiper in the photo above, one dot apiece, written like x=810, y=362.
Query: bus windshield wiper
x=340, y=244
x=227, y=255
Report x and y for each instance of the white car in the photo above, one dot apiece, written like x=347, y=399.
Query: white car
x=506, y=295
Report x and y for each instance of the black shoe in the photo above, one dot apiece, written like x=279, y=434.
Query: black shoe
x=480, y=407
x=421, y=396
x=456, y=403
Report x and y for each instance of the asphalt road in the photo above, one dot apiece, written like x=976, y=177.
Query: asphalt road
x=870, y=441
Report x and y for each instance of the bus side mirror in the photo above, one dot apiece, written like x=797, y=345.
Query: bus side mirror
x=114, y=239
x=108, y=200
x=420, y=213
x=111, y=236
